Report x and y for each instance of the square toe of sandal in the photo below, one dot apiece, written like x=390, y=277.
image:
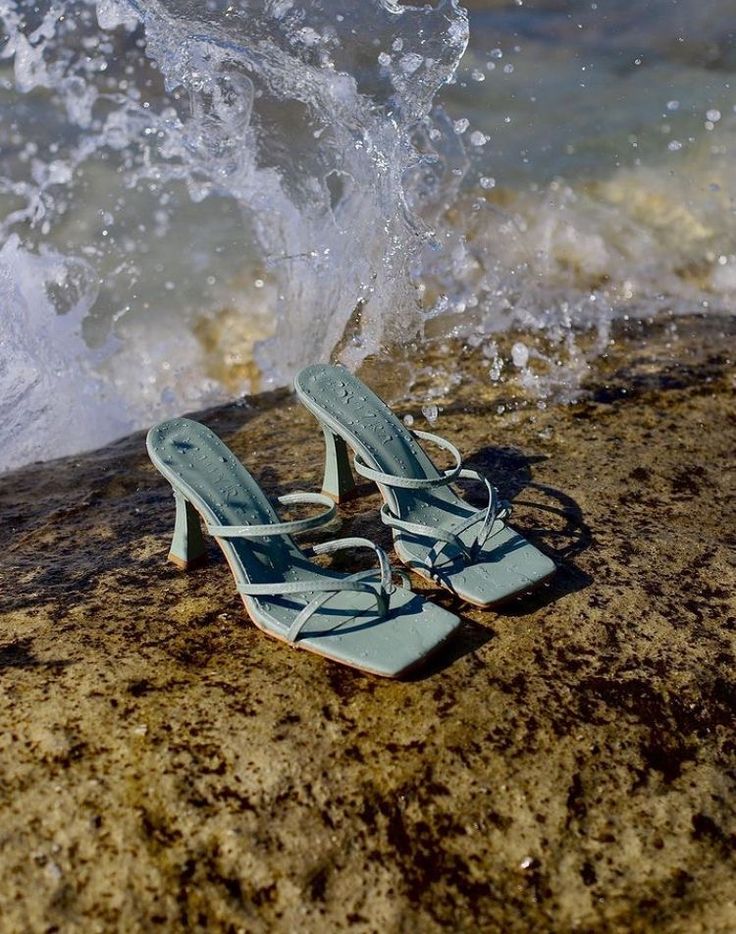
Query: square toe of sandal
x=509, y=565
x=413, y=630
x=490, y=581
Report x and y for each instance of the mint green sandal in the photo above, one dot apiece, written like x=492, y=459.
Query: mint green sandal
x=470, y=551
x=361, y=619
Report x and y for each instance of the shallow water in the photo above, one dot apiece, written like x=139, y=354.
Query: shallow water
x=198, y=198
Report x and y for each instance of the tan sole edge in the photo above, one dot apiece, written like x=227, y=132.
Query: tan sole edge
x=522, y=592
x=185, y=565
x=345, y=498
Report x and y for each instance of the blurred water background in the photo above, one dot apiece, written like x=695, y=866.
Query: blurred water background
x=198, y=198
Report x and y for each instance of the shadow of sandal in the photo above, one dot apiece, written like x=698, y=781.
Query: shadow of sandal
x=559, y=529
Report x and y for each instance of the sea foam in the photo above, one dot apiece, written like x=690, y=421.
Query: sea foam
x=196, y=199
x=307, y=120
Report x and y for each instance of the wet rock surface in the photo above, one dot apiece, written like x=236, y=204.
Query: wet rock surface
x=567, y=764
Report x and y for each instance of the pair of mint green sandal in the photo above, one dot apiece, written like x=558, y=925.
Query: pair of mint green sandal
x=364, y=620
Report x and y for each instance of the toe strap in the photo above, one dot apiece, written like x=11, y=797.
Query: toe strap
x=495, y=509
x=342, y=544
x=362, y=582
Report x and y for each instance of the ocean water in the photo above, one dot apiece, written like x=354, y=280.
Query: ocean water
x=198, y=198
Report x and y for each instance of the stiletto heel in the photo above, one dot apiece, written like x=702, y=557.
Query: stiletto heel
x=338, y=483
x=187, y=546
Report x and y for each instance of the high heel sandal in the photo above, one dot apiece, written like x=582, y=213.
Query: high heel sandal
x=362, y=619
x=472, y=552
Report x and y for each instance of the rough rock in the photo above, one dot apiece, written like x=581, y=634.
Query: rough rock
x=569, y=764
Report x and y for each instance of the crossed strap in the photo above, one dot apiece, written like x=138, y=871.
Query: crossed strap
x=324, y=589
x=496, y=508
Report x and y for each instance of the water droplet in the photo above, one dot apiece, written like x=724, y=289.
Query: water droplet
x=410, y=63
x=431, y=413
x=520, y=355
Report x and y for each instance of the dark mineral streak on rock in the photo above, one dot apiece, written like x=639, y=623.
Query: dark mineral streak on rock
x=567, y=764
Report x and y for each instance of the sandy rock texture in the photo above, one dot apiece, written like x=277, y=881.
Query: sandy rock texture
x=569, y=764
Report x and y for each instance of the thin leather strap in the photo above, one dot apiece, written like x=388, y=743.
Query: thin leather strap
x=340, y=544
x=303, y=617
x=495, y=509
x=388, y=572
x=279, y=588
x=418, y=529
x=324, y=589
x=414, y=483
x=281, y=528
